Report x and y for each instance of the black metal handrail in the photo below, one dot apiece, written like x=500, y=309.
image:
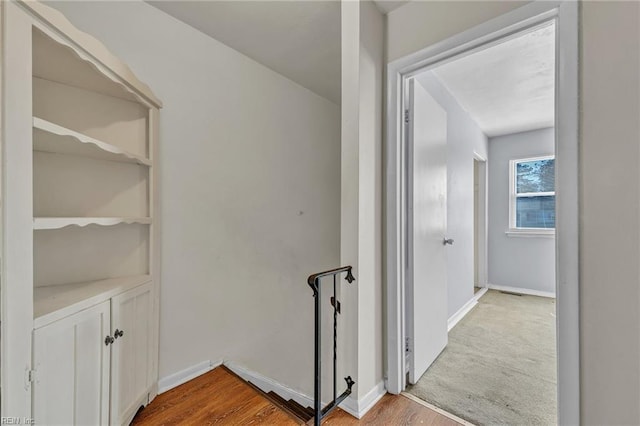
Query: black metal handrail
x=314, y=283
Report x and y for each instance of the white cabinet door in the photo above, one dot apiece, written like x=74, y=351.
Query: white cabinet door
x=130, y=367
x=71, y=362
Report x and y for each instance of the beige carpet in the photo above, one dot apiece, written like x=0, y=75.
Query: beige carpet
x=499, y=367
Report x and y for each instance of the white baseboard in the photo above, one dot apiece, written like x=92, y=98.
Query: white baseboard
x=350, y=405
x=466, y=308
x=530, y=292
x=268, y=385
x=183, y=376
x=358, y=408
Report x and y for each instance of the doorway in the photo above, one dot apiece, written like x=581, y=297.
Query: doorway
x=496, y=103
x=399, y=74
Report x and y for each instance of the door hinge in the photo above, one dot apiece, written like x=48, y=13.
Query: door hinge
x=30, y=377
x=406, y=116
x=407, y=343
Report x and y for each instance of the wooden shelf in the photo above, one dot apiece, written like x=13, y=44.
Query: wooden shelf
x=51, y=303
x=50, y=137
x=40, y=223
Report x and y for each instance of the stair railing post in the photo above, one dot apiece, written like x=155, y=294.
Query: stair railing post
x=317, y=388
x=335, y=339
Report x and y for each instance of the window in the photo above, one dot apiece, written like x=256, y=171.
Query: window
x=533, y=196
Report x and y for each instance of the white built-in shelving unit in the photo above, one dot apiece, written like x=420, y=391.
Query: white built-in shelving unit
x=50, y=137
x=40, y=223
x=59, y=301
x=80, y=271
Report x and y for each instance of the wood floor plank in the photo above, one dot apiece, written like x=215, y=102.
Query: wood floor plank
x=393, y=410
x=216, y=398
x=221, y=398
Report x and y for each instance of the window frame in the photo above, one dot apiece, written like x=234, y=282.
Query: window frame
x=513, y=196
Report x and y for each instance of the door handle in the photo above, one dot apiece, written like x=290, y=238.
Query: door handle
x=118, y=333
x=447, y=241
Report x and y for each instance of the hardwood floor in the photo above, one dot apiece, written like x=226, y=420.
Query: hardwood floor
x=393, y=410
x=219, y=397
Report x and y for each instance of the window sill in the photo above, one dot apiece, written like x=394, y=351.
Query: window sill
x=531, y=233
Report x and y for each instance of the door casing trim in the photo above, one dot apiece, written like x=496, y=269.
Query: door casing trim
x=565, y=14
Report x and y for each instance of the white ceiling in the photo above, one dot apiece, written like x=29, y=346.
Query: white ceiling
x=507, y=88
x=298, y=39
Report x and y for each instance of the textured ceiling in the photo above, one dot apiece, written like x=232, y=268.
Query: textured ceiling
x=509, y=87
x=298, y=39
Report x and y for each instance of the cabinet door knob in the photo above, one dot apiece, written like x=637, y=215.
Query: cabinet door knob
x=108, y=340
x=118, y=333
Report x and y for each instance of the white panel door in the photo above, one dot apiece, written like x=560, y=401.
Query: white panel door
x=71, y=362
x=426, y=294
x=130, y=367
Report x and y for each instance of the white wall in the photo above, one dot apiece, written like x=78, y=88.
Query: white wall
x=371, y=58
x=610, y=213
x=419, y=24
x=250, y=194
x=350, y=178
x=464, y=137
x=609, y=181
x=521, y=262
x=361, y=237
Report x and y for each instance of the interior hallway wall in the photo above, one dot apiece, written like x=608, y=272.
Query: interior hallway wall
x=419, y=24
x=361, y=211
x=250, y=194
x=610, y=212
x=526, y=262
x=464, y=137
